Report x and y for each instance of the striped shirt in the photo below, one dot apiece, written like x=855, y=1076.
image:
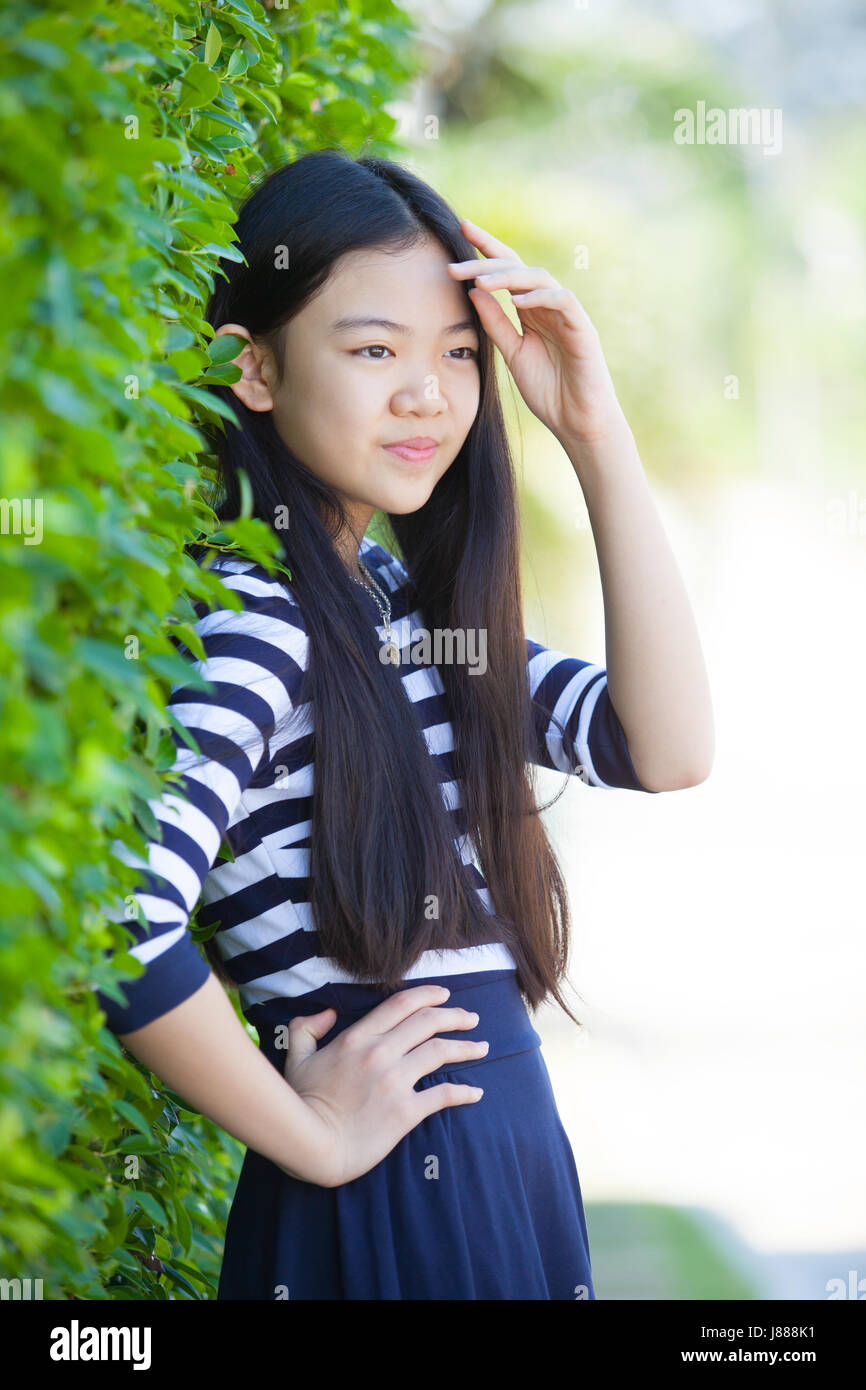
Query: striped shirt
x=253, y=786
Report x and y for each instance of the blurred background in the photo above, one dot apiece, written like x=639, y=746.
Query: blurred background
x=715, y=1096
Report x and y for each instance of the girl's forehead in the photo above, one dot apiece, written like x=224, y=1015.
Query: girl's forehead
x=402, y=286
x=422, y=264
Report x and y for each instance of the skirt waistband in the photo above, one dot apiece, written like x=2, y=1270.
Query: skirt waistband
x=503, y=1019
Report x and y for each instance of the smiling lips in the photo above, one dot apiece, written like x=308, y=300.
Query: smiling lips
x=416, y=450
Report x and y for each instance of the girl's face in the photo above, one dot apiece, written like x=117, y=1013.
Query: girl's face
x=386, y=351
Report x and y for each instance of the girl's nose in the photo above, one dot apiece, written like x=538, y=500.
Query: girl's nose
x=425, y=398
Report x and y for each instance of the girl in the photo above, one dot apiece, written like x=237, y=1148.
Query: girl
x=376, y=790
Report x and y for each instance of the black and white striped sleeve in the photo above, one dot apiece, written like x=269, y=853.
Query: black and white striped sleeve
x=572, y=695
x=255, y=661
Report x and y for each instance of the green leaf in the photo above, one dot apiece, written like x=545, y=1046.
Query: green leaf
x=213, y=45
x=225, y=850
x=226, y=375
x=226, y=347
x=199, y=86
x=191, y=639
x=135, y=1117
x=107, y=659
x=183, y=1226
x=178, y=338
x=208, y=402
x=55, y=1136
x=151, y=1207
x=238, y=62
x=246, y=494
x=139, y=1144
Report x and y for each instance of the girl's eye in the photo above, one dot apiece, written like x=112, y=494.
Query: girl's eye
x=374, y=347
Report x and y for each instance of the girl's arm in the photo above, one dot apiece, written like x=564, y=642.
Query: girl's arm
x=349, y=1103
x=202, y=1050
x=656, y=674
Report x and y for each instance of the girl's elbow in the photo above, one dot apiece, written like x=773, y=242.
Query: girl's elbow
x=676, y=780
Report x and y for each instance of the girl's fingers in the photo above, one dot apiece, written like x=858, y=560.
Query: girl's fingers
x=490, y=245
x=500, y=274
x=518, y=279
x=496, y=324
x=556, y=298
x=466, y=270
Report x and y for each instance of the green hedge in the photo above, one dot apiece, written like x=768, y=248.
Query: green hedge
x=128, y=136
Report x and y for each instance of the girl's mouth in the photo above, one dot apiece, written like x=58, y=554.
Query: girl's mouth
x=411, y=453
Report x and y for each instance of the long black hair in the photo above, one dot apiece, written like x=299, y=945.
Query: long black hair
x=382, y=837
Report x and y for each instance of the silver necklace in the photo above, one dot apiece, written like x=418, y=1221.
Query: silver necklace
x=375, y=592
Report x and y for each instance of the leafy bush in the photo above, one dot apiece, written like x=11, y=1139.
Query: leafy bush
x=128, y=136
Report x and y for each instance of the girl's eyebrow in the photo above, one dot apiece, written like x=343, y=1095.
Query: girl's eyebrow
x=341, y=325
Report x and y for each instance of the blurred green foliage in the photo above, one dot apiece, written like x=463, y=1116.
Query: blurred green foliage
x=649, y=1250
x=128, y=136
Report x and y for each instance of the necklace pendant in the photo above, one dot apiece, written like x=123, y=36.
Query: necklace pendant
x=392, y=653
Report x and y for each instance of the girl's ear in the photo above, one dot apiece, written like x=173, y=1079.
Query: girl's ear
x=253, y=388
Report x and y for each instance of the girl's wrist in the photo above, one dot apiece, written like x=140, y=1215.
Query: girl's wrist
x=302, y=1141
x=595, y=457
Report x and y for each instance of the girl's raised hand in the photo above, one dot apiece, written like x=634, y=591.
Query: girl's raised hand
x=361, y=1085
x=557, y=362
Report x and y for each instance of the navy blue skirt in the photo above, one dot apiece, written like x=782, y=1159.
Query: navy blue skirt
x=478, y=1201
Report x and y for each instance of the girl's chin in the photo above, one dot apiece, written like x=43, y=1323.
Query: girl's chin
x=403, y=497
